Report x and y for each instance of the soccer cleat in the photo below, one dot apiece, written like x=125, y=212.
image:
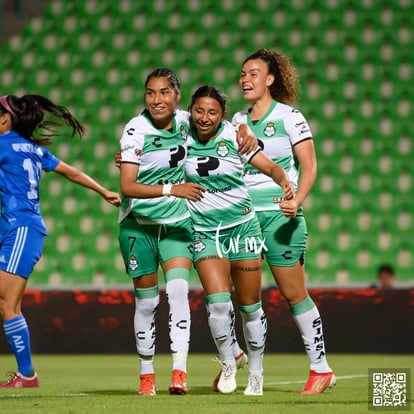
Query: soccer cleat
x=18, y=380
x=227, y=381
x=254, y=385
x=178, y=383
x=241, y=361
x=147, y=384
x=318, y=382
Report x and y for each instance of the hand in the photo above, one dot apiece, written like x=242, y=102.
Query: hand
x=190, y=191
x=289, y=208
x=117, y=159
x=246, y=139
x=112, y=198
x=288, y=190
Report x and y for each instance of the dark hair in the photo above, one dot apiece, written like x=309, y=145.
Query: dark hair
x=28, y=117
x=165, y=73
x=212, y=92
x=386, y=268
x=284, y=88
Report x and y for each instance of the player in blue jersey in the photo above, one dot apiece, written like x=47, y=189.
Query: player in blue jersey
x=155, y=228
x=227, y=238
x=23, y=157
x=268, y=83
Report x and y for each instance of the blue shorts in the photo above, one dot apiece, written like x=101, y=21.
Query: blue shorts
x=20, y=249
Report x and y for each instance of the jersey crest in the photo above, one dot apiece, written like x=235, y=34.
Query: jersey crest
x=269, y=130
x=222, y=149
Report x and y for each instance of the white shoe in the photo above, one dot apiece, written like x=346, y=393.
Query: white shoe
x=254, y=385
x=241, y=360
x=227, y=382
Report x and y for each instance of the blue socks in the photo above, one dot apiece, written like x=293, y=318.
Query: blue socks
x=17, y=334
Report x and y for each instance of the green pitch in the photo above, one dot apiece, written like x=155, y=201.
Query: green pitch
x=107, y=384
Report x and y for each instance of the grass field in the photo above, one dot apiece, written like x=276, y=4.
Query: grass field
x=107, y=384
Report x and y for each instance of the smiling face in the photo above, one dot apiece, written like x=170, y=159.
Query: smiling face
x=255, y=80
x=206, y=115
x=161, y=100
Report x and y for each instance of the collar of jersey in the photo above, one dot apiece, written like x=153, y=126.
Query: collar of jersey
x=249, y=120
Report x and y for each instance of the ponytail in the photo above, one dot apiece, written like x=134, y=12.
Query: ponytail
x=28, y=113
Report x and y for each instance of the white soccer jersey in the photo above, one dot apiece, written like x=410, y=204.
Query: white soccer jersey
x=218, y=166
x=160, y=155
x=278, y=132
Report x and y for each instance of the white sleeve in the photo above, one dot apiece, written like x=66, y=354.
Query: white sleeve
x=239, y=118
x=297, y=127
x=131, y=143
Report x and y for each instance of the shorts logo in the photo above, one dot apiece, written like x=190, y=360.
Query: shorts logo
x=133, y=264
x=199, y=246
x=222, y=149
x=270, y=129
x=287, y=255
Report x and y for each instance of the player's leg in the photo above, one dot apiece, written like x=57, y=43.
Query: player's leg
x=291, y=282
x=286, y=242
x=246, y=270
x=21, y=249
x=146, y=305
x=214, y=274
x=139, y=250
x=247, y=280
x=176, y=261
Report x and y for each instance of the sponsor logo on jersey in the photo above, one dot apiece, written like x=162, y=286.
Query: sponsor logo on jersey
x=270, y=129
x=222, y=149
x=303, y=126
x=133, y=263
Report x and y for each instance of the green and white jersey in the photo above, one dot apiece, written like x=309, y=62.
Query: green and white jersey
x=160, y=155
x=218, y=166
x=278, y=131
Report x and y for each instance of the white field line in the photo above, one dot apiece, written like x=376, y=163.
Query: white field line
x=74, y=394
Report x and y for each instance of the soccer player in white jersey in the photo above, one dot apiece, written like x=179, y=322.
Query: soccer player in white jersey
x=23, y=158
x=155, y=227
x=227, y=239
x=268, y=82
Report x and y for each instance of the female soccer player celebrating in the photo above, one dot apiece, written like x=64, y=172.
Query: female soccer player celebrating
x=227, y=239
x=268, y=82
x=23, y=157
x=155, y=226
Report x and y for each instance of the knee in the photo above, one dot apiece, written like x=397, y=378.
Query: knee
x=177, y=289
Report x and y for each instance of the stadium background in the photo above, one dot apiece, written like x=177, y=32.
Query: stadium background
x=356, y=68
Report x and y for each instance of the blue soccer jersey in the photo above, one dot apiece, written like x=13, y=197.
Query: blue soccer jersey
x=21, y=166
